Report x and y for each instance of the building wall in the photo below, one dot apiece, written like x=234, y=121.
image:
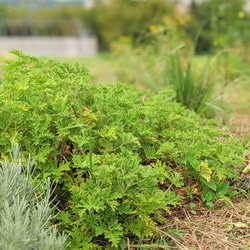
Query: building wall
x=51, y=46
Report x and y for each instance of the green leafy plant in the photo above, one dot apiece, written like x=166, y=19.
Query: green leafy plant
x=111, y=22
x=25, y=209
x=117, y=154
x=223, y=23
x=191, y=207
x=211, y=188
x=213, y=191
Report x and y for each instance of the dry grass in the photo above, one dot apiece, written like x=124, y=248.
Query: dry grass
x=225, y=228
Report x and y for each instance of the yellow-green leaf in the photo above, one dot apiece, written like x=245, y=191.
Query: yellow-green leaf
x=205, y=172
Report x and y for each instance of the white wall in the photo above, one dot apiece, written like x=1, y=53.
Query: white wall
x=51, y=46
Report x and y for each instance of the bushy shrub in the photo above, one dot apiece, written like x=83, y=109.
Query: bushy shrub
x=117, y=154
x=108, y=21
x=120, y=18
x=218, y=24
x=19, y=20
x=25, y=211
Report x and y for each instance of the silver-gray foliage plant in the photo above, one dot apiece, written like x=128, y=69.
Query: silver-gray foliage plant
x=25, y=217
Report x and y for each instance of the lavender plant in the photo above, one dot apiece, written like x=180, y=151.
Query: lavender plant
x=24, y=215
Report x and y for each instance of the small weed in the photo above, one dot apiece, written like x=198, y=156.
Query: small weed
x=211, y=188
x=190, y=207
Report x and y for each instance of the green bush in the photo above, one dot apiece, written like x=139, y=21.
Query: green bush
x=222, y=24
x=117, y=154
x=108, y=21
x=19, y=20
x=125, y=18
x=25, y=211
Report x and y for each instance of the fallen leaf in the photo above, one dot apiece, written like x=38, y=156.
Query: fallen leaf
x=240, y=224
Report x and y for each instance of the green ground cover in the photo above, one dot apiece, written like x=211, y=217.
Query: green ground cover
x=133, y=165
x=121, y=157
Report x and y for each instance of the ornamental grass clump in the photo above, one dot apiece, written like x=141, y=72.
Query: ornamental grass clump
x=196, y=89
x=117, y=154
x=25, y=208
x=167, y=63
